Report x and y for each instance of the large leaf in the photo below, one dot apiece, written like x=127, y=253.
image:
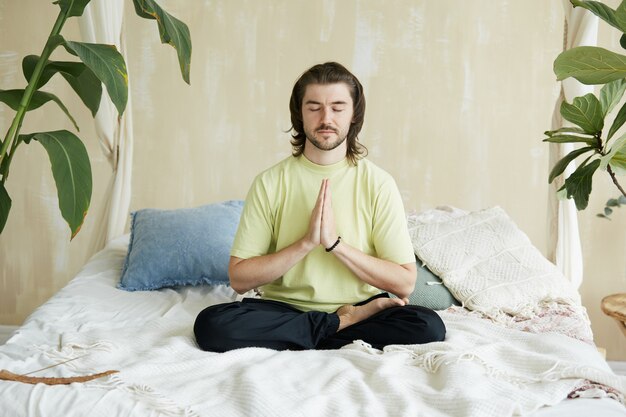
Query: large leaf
x=590, y=65
x=13, y=97
x=30, y=62
x=578, y=185
x=620, y=16
x=4, y=166
x=5, y=206
x=72, y=173
x=586, y=112
x=617, y=146
x=601, y=10
x=88, y=87
x=73, y=7
x=567, y=129
x=171, y=30
x=106, y=63
x=560, y=166
x=77, y=74
x=571, y=139
x=611, y=94
x=618, y=162
x=619, y=121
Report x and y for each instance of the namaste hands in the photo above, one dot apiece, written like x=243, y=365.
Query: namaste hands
x=322, y=224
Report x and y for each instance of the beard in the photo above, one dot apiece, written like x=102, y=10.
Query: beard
x=322, y=144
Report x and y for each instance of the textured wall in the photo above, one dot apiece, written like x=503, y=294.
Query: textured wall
x=604, y=242
x=36, y=258
x=458, y=93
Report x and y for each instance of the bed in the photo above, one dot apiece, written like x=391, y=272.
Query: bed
x=534, y=358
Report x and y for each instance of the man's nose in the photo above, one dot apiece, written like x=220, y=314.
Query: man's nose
x=326, y=115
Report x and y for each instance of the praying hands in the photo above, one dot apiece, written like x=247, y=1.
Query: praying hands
x=322, y=225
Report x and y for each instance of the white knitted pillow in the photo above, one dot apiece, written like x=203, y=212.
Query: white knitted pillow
x=489, y=264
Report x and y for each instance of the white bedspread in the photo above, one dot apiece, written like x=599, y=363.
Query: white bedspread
x=481, y=369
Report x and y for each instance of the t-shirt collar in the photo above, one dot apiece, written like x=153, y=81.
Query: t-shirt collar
x=323, y=169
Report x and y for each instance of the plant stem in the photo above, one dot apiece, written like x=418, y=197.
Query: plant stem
x=9, y=158
x=614, y=178
x=11, y=137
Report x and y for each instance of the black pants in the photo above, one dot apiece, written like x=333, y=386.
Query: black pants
x=275, y=325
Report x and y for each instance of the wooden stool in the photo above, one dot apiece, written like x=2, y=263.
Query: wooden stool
x=615, y=306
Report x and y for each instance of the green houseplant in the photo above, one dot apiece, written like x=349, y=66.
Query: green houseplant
x=98, y=65
x=602, y=150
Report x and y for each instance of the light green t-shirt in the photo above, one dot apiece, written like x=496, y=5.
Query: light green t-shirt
x=369, y=215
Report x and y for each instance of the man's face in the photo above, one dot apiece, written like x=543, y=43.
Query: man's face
x=327, y=111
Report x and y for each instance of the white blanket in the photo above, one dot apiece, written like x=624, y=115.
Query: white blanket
x=482, y=369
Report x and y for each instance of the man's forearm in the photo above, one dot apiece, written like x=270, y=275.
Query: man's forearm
x=247, y=274
x=388, y=276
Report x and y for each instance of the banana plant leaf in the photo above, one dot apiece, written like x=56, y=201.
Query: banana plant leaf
x=106, y=63
x=78, y=75
x=5, y=206
x=12, y=98
x=73, y=7
x=71, y=170
x=171, y=30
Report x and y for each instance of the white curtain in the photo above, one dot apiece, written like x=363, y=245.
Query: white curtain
x=581, y=28
x=103, y=22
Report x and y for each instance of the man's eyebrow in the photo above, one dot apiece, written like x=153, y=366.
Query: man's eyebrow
x=340, y=102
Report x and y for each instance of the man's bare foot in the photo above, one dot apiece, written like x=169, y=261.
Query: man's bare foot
x=349, y=314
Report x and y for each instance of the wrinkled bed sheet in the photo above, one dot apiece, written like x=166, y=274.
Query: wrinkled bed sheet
x=483, y=368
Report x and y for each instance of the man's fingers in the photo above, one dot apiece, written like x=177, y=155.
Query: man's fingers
x=328, y=201
x=320, y=196
x=328, y=231
x=327, y=212
x=315, y=224
x=319, y=204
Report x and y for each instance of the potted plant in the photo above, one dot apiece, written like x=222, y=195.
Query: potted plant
x=602, y=149
x=98, y=65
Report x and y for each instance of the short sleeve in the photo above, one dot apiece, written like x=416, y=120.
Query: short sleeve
x=390, y=233
x=254, y=233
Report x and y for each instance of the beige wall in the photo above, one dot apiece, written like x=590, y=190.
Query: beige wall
x=459, y=94
x=36, y=258
x=604, y=242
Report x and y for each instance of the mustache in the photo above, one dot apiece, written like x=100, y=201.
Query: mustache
x=326, y=127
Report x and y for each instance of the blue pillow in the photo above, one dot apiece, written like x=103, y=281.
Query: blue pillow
x=189, y=246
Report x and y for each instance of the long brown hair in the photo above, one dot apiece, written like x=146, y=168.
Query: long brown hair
x=328, y=73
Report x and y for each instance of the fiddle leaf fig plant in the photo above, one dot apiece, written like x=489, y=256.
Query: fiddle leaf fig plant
x=601, y=151
x=97, y=65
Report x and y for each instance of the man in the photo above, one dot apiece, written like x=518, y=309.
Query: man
x=323, y=235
